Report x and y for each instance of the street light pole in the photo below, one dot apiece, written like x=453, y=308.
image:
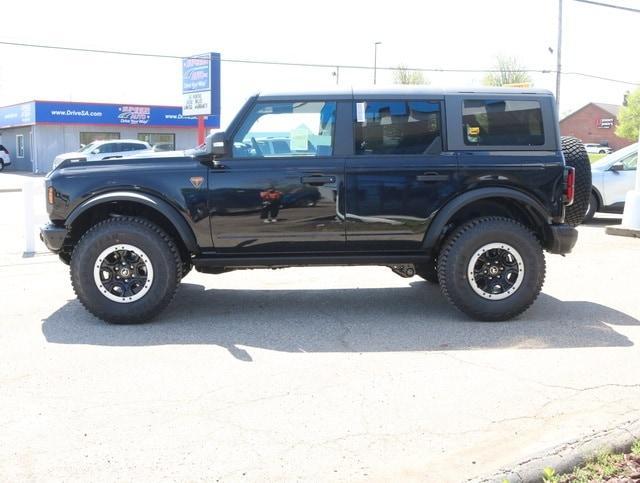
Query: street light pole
x=559, y=54
x=375, y=61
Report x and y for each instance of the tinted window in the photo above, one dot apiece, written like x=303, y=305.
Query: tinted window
x=131, y=146
x=499, y=122
x=287, y=129
x=109, y=148
x=396, y=127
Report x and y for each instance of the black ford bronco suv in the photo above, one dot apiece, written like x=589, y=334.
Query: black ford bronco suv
x=464, y=188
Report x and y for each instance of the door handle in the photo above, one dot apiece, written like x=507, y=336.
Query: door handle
x=317, y=180
x=427, y=177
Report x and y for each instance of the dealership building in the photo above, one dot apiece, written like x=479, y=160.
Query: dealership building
x=35, y=132
x=595, y=122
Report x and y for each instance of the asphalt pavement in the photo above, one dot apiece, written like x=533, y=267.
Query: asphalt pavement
x=313, y=374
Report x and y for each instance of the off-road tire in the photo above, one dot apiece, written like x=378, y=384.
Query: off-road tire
x=592, y=208
x=427, y=271
x=575, y=155
x=457, y=252
x=146, y=236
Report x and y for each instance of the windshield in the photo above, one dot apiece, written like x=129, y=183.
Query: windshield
x=88, y=147
x=608, y=160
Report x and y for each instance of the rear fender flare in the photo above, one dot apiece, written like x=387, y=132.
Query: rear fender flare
x=446, y=213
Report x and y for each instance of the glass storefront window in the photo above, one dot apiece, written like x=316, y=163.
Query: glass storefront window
x=89, y=137
x=159, y=141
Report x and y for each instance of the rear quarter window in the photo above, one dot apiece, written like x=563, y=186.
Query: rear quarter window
x=502, y=122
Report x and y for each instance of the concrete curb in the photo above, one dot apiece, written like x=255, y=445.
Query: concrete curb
x=565, y=457
x=622, y=231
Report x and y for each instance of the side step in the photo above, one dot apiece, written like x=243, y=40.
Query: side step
x=308, y=260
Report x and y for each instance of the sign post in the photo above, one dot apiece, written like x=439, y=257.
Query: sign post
x=201, y=88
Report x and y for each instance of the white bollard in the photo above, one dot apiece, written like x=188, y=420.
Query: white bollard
x=29, y=216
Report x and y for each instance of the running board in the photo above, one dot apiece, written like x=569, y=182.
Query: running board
x=305, y=260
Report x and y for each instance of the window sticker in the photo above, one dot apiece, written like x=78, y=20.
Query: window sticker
x=299, y=139
x=361, y=108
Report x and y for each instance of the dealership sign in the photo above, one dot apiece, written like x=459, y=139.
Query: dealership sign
x=83, y=113
x=17, y=115
x=605, y=123
x=201, y=85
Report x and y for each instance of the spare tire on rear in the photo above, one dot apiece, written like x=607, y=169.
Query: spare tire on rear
x=575, y=155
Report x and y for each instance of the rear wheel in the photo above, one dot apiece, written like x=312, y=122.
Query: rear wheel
x=491, y=268
x=125, y=270
x=575, y=155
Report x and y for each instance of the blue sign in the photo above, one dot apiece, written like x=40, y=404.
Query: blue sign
x=201, y=85
x=134, y=115
x=18, y=115
x=196, y=74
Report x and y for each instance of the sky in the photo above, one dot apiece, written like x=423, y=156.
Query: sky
x=456, y=34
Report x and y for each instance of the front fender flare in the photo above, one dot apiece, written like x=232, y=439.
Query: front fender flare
x=175, y=218
x=444, y=215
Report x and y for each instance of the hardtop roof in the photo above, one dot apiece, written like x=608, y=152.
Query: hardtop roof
x=396, y=91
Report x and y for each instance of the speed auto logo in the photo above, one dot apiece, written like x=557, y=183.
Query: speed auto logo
x=134, y=115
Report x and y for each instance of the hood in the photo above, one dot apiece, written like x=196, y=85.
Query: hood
x=71, y=155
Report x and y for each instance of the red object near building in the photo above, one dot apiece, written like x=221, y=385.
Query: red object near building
x=595, y=123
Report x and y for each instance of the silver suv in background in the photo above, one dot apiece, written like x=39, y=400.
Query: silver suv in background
x=5, y=159
x=612, y=177
x=98, y=150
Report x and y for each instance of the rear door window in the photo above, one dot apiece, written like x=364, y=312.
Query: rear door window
x=396, y=127
x=502, y=122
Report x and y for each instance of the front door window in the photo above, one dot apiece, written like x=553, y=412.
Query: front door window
x=287, y=129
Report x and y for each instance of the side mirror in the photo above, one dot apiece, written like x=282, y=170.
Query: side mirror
x=95, y=151
x=82, y=146
x=617, y=167
x=215, y=144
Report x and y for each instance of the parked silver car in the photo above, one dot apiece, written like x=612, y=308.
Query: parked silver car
x=612, y=177
x=98, y=150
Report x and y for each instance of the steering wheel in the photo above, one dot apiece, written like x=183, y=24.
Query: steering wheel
x=256, y=147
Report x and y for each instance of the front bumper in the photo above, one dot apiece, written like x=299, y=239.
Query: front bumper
x=562, y=240
x=53, y=236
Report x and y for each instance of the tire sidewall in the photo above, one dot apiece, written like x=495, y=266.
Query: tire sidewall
x=591, y=209
x=459, y=256
x=149, y=241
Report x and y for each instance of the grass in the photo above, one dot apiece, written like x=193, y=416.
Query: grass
x=600, y=468
x=593, y=157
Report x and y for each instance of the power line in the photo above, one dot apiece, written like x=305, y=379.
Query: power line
x=305, y=64
x=600, y=4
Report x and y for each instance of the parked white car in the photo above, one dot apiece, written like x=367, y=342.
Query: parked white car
x=597, y=148
x=5, y=159
x=612, y=177
x=98, y=150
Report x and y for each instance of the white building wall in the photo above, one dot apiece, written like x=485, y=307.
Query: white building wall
x=53, y=139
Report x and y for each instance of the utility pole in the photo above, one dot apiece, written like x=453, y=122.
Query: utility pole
x=559, y=54
x=375, y=60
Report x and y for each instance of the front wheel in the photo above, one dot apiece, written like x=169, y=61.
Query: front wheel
x=491, y=268
x=125, y=270
x=1, y=165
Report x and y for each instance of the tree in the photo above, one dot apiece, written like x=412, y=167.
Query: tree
x=510, y=72
x=629, y=117
x=402, y=75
